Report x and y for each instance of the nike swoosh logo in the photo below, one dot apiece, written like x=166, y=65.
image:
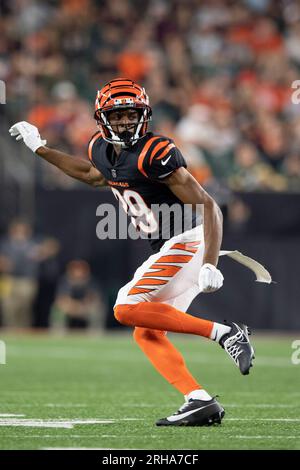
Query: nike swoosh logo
x=187, y=413
x=164, y=162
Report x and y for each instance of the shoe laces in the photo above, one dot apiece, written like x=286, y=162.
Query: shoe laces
x=232, y=348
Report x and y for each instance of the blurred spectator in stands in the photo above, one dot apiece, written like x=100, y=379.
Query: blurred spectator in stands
x=78, y=301
x=291, y=169
x=292, y=41
x=223, y=70
x=68, y=116
x=271, y=140
x=20, y=256
x=213, y=132
x=132, y=62
x=250, y=173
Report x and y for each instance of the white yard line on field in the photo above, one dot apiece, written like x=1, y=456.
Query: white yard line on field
x=47, y=405
x=49, y=423
x=11, y=420
x=35, y=424
x=14, y=421
x=67, y=405
x=10, y=415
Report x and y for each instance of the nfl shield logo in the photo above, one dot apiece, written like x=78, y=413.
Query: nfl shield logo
x=114, y=173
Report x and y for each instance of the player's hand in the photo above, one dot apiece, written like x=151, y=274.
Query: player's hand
x=29, y=133
x=210, y=278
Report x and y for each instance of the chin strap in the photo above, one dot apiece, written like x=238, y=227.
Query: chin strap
x=115, y=138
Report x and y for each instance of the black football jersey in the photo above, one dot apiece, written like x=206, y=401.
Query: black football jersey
x=136, y=179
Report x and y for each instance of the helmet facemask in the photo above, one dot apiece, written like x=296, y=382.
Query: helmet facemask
x=133, y=130
x=122, y=94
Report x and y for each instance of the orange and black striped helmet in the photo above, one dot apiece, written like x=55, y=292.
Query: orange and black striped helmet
x=122, y=93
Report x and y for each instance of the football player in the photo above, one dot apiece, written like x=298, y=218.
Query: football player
x=145, y=170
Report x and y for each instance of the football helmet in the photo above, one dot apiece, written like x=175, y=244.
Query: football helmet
x=122, y=93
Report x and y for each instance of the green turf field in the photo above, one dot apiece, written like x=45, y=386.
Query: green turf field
x=88, y=392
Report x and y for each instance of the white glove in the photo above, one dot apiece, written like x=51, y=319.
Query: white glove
x=210, y=278
x=29, y=133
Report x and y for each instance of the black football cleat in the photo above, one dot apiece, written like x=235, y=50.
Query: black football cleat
x=195, y=413
x=237, y=345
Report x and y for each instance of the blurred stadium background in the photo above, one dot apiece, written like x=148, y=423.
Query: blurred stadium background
x=219, y=76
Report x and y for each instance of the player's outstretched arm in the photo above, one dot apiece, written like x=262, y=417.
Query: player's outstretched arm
x=189, y=191
x=79, y=169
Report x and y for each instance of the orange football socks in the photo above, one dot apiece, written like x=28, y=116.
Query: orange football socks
x=166, y=359
x=152, y=320
x=164, y=317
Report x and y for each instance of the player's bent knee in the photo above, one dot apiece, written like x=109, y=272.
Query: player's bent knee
x=141, y=335
x=120, y=313
x=123, y=313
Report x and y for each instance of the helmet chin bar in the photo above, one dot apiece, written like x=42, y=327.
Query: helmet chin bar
x=116, y=139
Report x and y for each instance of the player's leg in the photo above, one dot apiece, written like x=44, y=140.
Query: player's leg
x=146, y=300
x=170, y=301
x=162, y=316
x=164, y=356
x=233, y=337
x=168, y=361
x=199, y=408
